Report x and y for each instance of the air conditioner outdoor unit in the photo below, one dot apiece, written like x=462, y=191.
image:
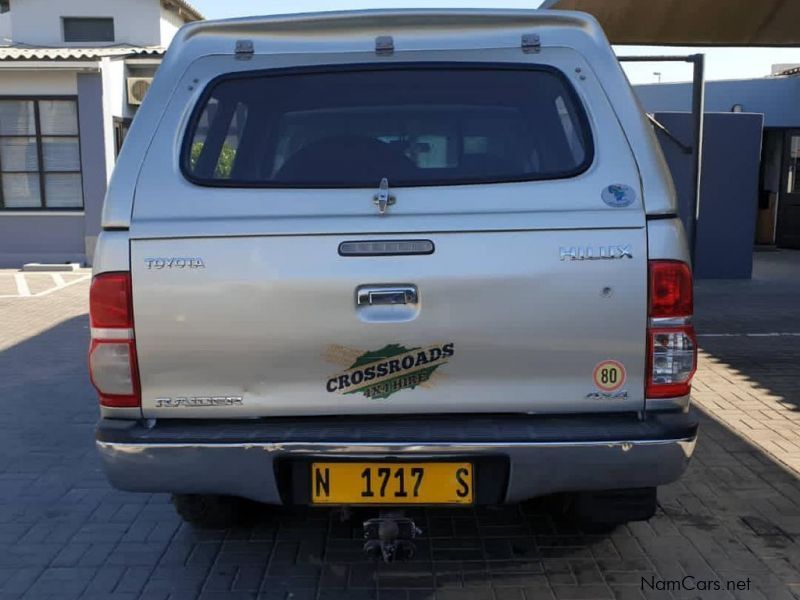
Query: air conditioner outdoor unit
x=137, y=89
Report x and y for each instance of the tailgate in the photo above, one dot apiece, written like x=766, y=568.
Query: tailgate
x=495, y=255
x=500, y=322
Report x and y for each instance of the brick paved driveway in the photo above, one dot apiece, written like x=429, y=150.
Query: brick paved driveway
x=16, y=284
x=736, y=514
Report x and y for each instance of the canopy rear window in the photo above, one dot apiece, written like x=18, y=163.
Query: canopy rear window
x=415, y=125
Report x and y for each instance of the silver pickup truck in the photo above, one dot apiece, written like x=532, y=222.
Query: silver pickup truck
x=387, y=258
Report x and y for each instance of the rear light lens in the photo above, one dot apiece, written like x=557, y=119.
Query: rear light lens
x=670, y=289
x=113, y=366
x=672, y=356
x=671, y=341
x=110, y=301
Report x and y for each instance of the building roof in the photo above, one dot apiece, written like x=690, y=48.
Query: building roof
x=693, y=22
x=184, y=9
x=26, y=53
x=788, y=72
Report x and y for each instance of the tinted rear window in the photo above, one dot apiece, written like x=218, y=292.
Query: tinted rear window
x=414, y=125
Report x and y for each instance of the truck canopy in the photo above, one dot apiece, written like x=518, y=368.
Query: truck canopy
x=290, y=40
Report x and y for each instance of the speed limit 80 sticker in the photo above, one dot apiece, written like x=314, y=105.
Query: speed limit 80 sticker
x=609, y=375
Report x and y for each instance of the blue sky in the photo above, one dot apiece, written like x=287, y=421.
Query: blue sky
x=721, y=63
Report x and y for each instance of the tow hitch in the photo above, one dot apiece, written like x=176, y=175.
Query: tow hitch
x=390, y=536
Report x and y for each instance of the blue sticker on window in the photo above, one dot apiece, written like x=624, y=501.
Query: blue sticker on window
x=619, y=195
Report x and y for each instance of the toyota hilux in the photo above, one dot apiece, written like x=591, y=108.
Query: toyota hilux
x=389, y=258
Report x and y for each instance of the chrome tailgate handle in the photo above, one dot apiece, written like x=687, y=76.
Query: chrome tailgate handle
x=386, y=295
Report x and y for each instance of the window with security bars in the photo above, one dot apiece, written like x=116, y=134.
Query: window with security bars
x=40, y=159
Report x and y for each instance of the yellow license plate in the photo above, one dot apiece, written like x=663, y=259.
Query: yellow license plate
x=391, y=483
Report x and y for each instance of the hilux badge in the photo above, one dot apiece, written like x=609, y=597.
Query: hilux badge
x=595, y=252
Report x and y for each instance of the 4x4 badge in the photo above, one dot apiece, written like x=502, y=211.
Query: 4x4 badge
x=383, y=199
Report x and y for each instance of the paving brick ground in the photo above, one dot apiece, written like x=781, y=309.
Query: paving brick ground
x=734, y=517
x=750, y=335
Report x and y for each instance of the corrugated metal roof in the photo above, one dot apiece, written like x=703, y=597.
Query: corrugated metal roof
x=32, y=53
x=183, y=5
x=788, y=72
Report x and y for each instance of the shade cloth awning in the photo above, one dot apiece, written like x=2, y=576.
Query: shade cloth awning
x=693, y=22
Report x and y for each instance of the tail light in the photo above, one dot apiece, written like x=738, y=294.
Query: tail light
x=672, y=361
x=671, y=341
x=670, y=290
x=113, y=366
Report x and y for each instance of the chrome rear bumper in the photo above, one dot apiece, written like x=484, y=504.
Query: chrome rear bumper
x=138, y=460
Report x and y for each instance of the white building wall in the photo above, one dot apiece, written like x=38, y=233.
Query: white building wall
x=5, y=29
x=38, y=82
x=114, y=86
x=43, y=235
x=101, y=89
x=170, y=23
x=114, y=105
x=38, y=22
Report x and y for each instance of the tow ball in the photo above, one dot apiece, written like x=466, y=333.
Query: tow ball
x=390, y=537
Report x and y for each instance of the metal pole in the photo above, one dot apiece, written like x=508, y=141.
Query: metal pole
x=657, y=58
x=698, y=111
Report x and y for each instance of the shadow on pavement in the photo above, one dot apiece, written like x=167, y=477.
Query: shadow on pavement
x=749, y=332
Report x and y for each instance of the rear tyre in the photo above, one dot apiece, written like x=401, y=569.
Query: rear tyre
x=207, y=511
x=606, y=509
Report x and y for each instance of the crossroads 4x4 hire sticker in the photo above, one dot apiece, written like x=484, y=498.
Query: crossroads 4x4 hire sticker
x=380, y=373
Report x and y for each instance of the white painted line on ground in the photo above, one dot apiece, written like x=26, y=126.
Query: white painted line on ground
x=757, y=335
x=25, y=292
x=58, y=280
x=22, y=285
x=66, y=285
